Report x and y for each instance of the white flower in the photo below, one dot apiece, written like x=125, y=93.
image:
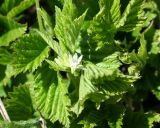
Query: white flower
x=75, y=62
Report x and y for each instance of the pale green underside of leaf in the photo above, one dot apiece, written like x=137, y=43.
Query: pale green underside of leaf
x=49, y=95
x=11, y=35
x=20, y=8
x=29, y=52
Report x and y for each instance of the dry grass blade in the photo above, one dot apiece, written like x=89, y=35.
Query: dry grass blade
x=4, y=112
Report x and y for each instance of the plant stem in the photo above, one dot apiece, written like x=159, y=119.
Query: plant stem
x=38, y=16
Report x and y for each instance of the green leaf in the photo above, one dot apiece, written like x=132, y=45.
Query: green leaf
x=50, y=96
x=87, y=124
x=50, y=42
x=115, y=115
x=8, y=5
x=20, y=8
x=29, y=52
x=155, y=48
x=8, y=23
x=5, y=57
x=9, y=72
x=12, y=35
x=102, y=26
x=106, y=69
x=11, y=30
x=2, y=72
x=47, y=22
x=103, y=79
x=102, y=31
x=111, y=11
x=97, y=52
x=68, y=27
x=115, y=12
x=156, y=92
x=132, y=16
x=2, y=91
x=153, y=118
x=61, y=63
x=19, y=104
x=142, y=51
x=85, y=88
x=135, y=119
x=32, y=123
x=137, y=60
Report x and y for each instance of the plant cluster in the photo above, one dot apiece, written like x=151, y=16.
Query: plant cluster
x=80, y=63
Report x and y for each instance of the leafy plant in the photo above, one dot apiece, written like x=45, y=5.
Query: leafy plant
x=80, y=64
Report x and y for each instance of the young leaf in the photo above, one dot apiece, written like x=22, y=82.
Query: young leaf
x=68, y=28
